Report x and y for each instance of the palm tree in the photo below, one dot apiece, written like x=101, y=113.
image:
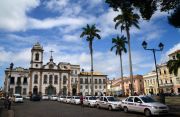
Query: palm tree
x=120, y=46
x=91, y=32
x=126, y=20
x=174, y=65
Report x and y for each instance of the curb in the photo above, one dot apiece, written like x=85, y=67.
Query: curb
x=10, y=113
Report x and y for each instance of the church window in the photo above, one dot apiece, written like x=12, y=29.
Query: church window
x=56, y=79
x=12, y=80
x=50, y=79
x=81, y=81
x=45, y=79
x=75, y=71
x=35, y=79
x=100, y=87
x=19, y=80
x=64, y=79
x=100, y=81
x=37, y=56
x=25, y=80
x=36, y=65
x=86, y=86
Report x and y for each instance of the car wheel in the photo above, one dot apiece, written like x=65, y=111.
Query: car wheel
x=125, y=109
x=110, y=108
x=98, y=106
x=147, y=112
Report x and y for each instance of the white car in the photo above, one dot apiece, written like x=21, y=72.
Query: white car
x=61, y=98
x=144, y=104
x=67, y=99
x=90, y=101
x=18, y=99
x=45, y=97
x=53, y=98
x=75, y=100
x=108, y=102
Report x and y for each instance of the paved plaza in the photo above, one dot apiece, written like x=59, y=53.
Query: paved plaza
x=56, y=109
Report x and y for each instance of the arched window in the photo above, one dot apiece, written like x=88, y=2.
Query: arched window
x=35, y=79
x=37, y=56
x=45, y=79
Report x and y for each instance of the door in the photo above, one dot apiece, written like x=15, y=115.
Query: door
x=138, y=105
x=130, y=103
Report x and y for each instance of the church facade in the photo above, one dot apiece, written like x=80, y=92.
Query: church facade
x=50, y=78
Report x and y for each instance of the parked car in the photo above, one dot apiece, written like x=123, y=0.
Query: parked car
x=35, y=98
x=53, y=97
x=67, y=99
x=144, y=104
x=61, y=98
x=108, y=102
x=45, y=97
x=75, y=100
x=27, y=97
x=90, y=101
x=18, y=99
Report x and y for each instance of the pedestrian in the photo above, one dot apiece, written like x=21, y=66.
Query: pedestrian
x=81, y=100
x=9, y=103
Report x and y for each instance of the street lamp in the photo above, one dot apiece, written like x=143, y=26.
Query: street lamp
x=161, y=46
x=10, y=70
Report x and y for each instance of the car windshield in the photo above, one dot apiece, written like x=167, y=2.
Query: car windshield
x=18, y=96
x=92, y=98
x=147, y=99
x=111, y=99
x=77, y=97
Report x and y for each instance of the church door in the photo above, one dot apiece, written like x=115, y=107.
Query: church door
x=35, y=90
x=18, y=90
x=51, y=90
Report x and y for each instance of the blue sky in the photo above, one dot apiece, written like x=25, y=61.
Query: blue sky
x=57, y=24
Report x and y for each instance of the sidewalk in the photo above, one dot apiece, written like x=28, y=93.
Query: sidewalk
x=6, y=113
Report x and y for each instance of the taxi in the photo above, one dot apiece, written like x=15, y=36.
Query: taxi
x=144, y=104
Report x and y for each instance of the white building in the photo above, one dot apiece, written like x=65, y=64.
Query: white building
x=99, y=83
x=49, y=78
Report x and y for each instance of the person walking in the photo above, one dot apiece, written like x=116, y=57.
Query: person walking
x=81, y=100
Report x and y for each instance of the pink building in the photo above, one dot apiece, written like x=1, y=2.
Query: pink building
x=138, y=85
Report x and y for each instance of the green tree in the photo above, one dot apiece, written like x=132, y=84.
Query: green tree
x=120, y=46
x=91, y=32
x=174, y=65
x=126, y=19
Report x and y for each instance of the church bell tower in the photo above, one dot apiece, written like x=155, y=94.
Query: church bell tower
x=37, y=56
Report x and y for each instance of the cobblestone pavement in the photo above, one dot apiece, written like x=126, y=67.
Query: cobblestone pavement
x=56, y=109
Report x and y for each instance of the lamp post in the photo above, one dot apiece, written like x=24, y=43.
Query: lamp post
x=161, y=46
x=10, y=70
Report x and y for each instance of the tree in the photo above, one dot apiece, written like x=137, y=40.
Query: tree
x=91, y=32
x=174, y=65
x=126, y=20
x=120, y=46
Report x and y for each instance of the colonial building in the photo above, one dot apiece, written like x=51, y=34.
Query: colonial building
x=150, y=83
x=99, y=83
x=169, y=83
x=138, y=85
x=40, y=78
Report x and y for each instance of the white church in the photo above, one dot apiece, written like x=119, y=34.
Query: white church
x=51, y=78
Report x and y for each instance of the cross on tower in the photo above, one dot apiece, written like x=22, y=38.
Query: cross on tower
x=51, y=52
x=51, y=58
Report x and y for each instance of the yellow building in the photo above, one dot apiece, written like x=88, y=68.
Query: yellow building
x=150, y=83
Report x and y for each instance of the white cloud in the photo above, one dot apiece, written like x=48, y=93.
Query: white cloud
x=13, y=13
